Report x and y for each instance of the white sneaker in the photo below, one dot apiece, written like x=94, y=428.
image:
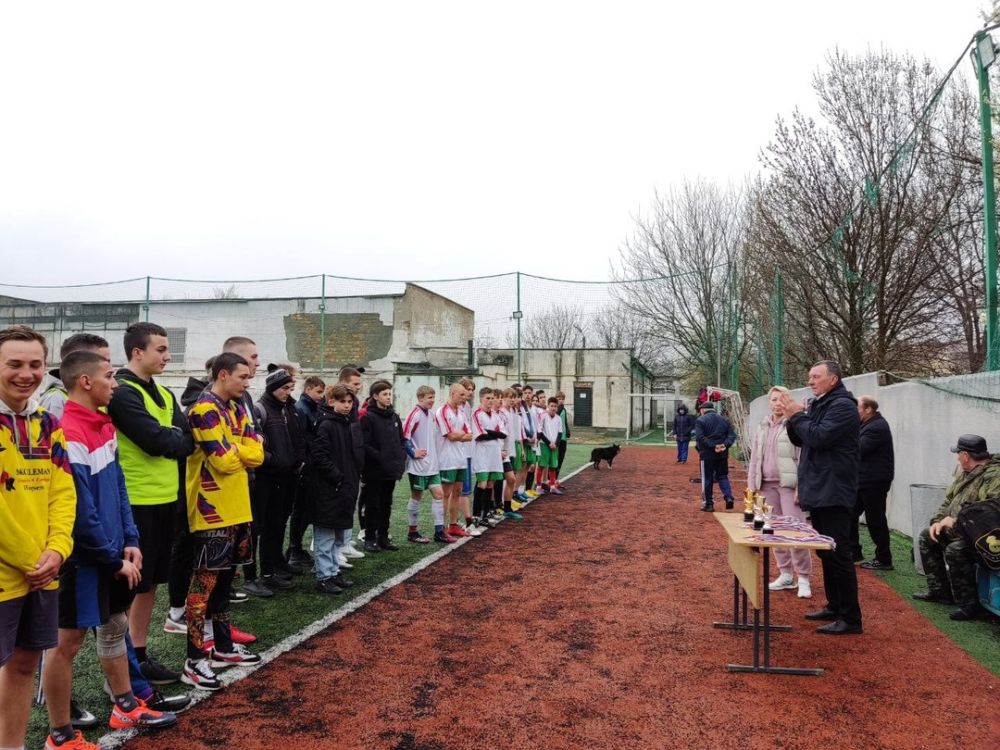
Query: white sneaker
x=782, y=582
x=344, y=565
x=473, y=530
x=350, y=553
x=805, y=591
x=361, y=536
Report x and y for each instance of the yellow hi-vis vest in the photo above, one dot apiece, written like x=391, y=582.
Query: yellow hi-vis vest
x=150, y=480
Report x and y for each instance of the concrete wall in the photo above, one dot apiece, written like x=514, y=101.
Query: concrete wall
x=926, y=419
x=607, y=371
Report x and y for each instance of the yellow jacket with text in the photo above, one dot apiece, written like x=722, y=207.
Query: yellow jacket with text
x=37, y=495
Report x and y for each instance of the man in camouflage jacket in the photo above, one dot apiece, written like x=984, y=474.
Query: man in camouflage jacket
x=978, y=480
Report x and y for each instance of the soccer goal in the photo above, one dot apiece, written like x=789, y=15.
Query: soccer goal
x=730, y=404
x=645, y=413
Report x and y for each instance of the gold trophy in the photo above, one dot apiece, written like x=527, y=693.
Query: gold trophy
x=748, y=500
x=758, y=512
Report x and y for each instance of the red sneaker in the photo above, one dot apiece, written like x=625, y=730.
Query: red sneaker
x=456, y=531
x=140, y=717
x=241, y=636
x=77, y=743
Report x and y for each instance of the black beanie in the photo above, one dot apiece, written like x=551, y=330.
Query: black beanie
x=277, y=379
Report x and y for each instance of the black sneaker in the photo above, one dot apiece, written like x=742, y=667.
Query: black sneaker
x=386, y=544
x=876, y=565
x=327, y=586
x=257, y=588
x=298, y=556
x=157, y=674
x=278, y=583
x=729, y=503
x=81, y=718
x=372, y=546
x=708, y=508
x=172, y=703
x=291, y=569
x=237, y=597
x=341, y=581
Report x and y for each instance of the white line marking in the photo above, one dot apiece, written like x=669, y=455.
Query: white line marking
x=235, y=674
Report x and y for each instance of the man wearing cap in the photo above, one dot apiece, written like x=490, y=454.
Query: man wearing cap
x=940, y=544
x=713, y=434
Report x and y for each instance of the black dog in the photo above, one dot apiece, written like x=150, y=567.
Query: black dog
x=604, y=454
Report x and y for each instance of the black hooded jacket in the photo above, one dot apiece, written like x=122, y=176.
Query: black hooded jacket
x=194, y=388
x=385, y=456
x=683, y=424
x=828, y=433
x=284, y=444
x=333, y=470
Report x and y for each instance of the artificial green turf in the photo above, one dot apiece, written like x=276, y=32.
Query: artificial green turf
x=273, y=619
x=980, y=638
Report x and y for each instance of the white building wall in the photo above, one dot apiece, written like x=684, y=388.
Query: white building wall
x=925, y=423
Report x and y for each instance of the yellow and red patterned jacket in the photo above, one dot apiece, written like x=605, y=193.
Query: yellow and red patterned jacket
x=226, y=445
x=37, y=495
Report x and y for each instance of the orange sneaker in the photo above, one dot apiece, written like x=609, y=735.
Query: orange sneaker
x=140, y=717
x=77, y=743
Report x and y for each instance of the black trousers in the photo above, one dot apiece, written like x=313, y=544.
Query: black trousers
x=299, y=521
x=840, y=579
x=871, y=502
x=562, y=455
x=377, y=497
x=181, y=560
x=271, y=503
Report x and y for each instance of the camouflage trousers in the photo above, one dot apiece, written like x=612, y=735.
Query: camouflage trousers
x=959, y=578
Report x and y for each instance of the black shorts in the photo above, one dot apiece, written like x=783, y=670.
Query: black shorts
x=156, y=538
x=508, y=468
x=221, y=549
x=29, y=622
x=88, y=596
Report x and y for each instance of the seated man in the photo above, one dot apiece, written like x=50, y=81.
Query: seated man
x=939, y=543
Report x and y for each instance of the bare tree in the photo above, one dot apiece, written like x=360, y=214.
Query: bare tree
x=849, y=213
x=681, y=276
x=557, y=327
x=618, y=327
x=226, y=292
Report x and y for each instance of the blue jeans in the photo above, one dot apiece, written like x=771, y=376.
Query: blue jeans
x=682, y=450
x=326, y=542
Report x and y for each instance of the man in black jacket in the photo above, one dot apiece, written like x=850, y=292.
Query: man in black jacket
x=874, y=479
x=713, y=435
x=683, y=427
x=827, y=431
x=276, y=480
x=385, y=462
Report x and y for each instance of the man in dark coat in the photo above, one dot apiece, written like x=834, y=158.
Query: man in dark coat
x=385, y=462
x=713, y=434
x=828, y=432
x=276, y=479
x=333, y=478
x=683, y=427
x=874, y=479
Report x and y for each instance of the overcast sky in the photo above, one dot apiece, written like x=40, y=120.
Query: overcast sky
x=393, y=140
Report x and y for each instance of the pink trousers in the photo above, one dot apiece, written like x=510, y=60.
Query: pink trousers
x=783, y=500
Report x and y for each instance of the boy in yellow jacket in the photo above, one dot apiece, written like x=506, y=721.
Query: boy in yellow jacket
x=218, y=500
x=37, y=511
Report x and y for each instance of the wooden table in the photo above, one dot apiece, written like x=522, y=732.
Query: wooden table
x=750, y=561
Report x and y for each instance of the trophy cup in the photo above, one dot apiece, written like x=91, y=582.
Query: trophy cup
x=758, y=512
x=748, y=499
x=768, y=510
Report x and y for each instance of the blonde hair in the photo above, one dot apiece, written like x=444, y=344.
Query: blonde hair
x=425, y=390
x=779, y=389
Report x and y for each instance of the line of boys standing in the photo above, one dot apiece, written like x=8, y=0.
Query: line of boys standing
x=170, y=498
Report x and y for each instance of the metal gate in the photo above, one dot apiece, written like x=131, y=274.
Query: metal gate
x=583, y=406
